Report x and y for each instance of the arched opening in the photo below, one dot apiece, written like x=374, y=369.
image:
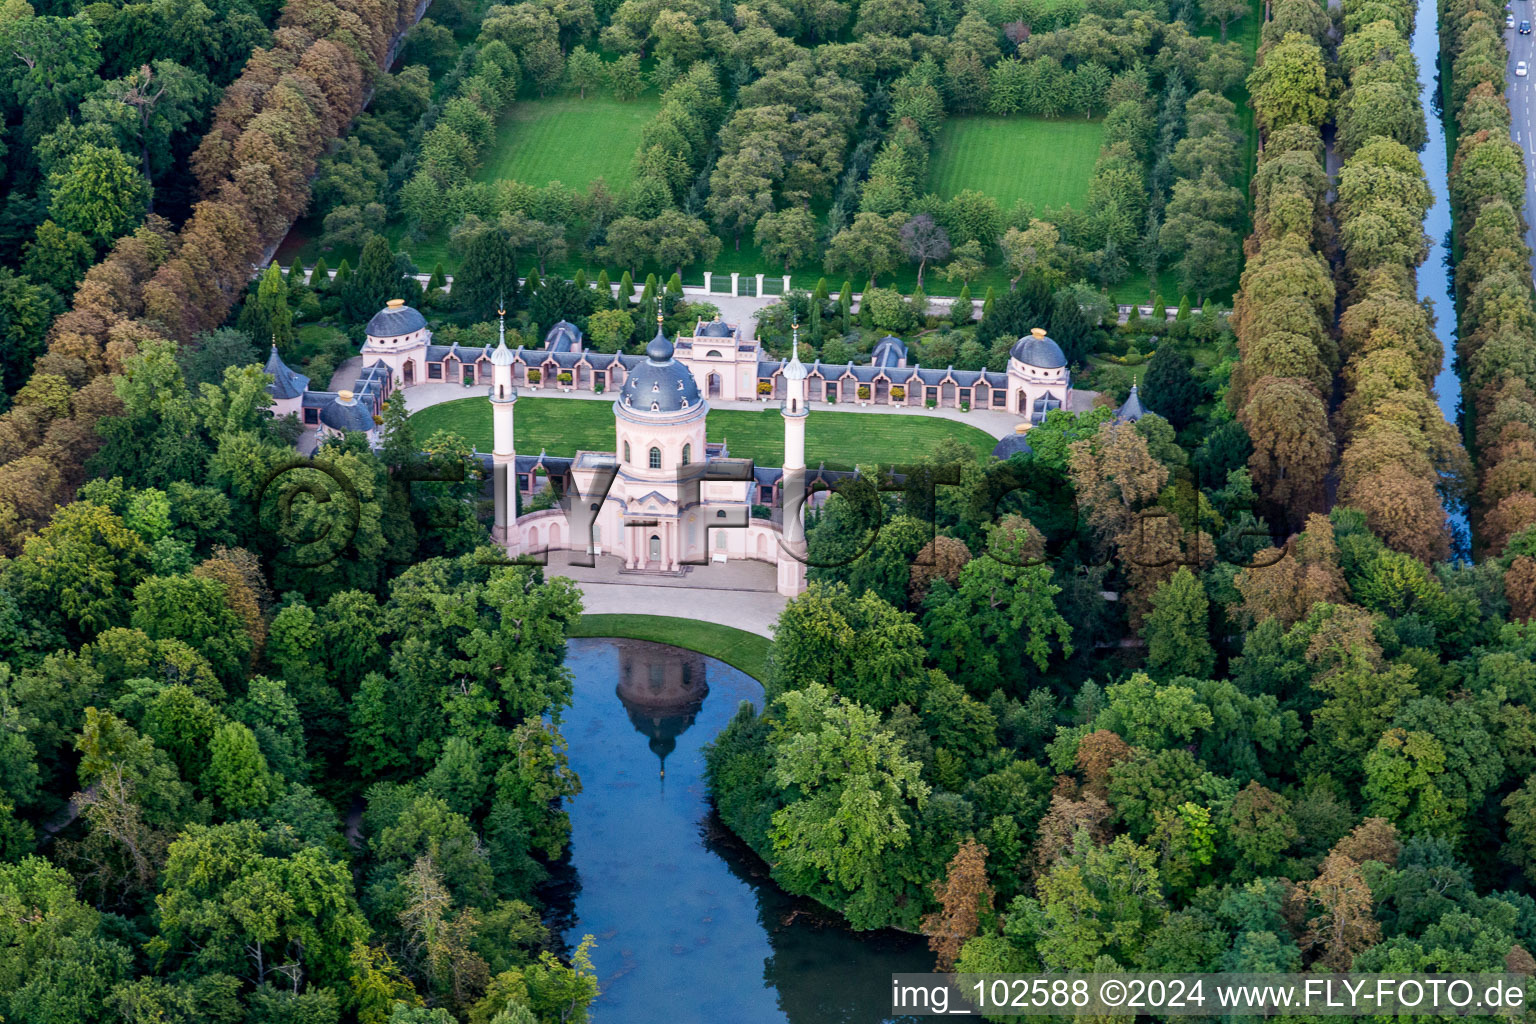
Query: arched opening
x=714, y=385
x=626, y=452
x=1043, y=405
x=655, y=458
x=410, y=373
x=655, y=549
x=1023, y=401
x=687, y=454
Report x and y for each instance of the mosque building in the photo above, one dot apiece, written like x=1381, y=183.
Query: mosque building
x=666, y=497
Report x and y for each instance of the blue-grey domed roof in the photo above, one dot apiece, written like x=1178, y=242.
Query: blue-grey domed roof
x=563, y=337
x=395, y=320
x=889, y=351
x=1013, y=444
x=660, y=385
x=286, y=383
x=1035, y=349
x=716, y=328
x=346, y=413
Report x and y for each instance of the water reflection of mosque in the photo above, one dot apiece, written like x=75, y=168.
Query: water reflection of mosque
x=662, y=689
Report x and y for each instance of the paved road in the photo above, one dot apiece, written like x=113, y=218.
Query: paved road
x=1522, y=109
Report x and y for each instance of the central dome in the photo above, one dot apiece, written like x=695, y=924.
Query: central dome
x=660, y=385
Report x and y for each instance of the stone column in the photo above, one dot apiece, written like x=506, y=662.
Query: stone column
x=760, y=284
x=707, y=276
x=735, y=283
x=786, y=284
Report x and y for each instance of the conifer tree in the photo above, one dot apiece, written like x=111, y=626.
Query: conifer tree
x=580, y=280
x=960, y=312
x=604, y=286
x=266, y=316
x=989, y=302
x=626, y=290
x=845, y=306
x=320, y=275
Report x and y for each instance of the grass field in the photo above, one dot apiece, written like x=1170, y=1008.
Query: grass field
x=1043, y=162
x=570, y=140
x=736, y=647
x=562, y=426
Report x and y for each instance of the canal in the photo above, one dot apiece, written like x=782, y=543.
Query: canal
x=1435, y=275
x=689, y=926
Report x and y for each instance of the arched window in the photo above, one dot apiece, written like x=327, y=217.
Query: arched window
x=626, y=451
x=655, y=458
x=687, y=453
x=1043, y=405
x=720, y=514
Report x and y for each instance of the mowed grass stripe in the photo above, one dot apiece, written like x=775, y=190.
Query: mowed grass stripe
x=563, y=426
x=1043, y=162
x=736, y=647
x=570, y=140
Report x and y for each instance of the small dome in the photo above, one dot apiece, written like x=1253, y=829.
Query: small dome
x=1013, y=444
x=346, y=413
x=660, y=349
x=502, y=356
x=716, y=328
x=395, y=320
x=795, y=370
x=563, y=337
x=1132, y=410
x=1039, y=351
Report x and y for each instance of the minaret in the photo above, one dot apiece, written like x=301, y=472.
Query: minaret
x=792, y=492
x=503, y=453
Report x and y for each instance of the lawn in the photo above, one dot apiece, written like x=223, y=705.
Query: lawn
x=562, y=426
x=736, y=647
x=1044, y=162
x=570, y=140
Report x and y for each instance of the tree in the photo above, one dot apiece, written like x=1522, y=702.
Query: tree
x=487, y=280
x=1222, y=12
x=376, y=280
x=57, y=257
x=585, y=70
x=789, y=237
x=923, y=240
x=967, y=262
x=857, y=793
x=1178, y=630
x=741, y=188
x=609, y=329
x=869, y=247
x=1169, y=387
x=1035, y=250
x=625, y=77
x=98, y=193
x=148, y=108
x=1338, y=908
x=266, y=314
x=1290, y=86
x=964, y=898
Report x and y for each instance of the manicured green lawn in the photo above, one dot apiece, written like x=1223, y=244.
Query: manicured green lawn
x=570, y=140
x=562, y=426
x=736, y=647
x=1045, y=162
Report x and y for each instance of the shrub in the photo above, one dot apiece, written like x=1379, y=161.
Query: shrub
x=932, y=403
x=534, y=376
x=863, y=390
x=764, y=387
x=564, y=378
x=898, y=393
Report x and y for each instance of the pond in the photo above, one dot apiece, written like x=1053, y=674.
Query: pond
x=689, y=926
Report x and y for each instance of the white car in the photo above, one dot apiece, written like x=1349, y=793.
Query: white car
x=1509, y=21
x=1520, y=69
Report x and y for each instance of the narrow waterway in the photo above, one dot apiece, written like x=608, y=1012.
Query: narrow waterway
x=1435, y=274
x=689, y=926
